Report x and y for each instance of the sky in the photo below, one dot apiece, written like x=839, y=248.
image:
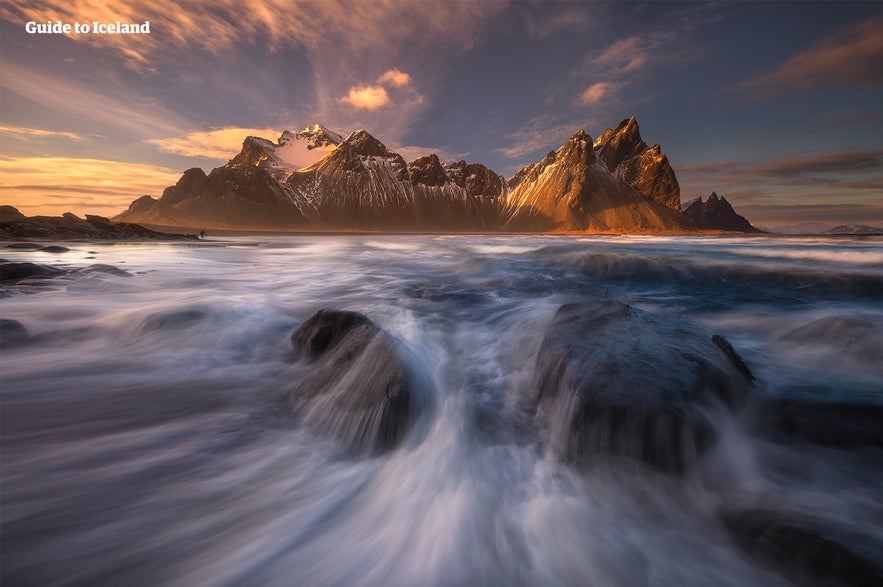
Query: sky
x=776, y=106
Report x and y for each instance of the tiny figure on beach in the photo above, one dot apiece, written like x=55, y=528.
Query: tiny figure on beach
x=201, y=234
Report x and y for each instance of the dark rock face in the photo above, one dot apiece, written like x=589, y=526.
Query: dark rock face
x=69, y=226
x=828, y=423
x=15, y=272
x=624, y=153
x=360, y=391
x=805, y=550
x=616, y=380
x=716, y=213
x=12, y=334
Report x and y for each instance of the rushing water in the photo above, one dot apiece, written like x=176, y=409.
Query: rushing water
x=147, y=440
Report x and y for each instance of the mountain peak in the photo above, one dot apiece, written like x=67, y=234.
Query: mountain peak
x=364, y=144
x=717, y=213
x=317, y=136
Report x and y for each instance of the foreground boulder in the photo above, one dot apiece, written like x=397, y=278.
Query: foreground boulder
x=616, y=380
x=806, y=550
x=359, y=389
x=15, y=272
x=13, y=334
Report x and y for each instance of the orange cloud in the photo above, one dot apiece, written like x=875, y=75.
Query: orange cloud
x=54, y=185
x=597, y=92
x=220, y=143
x=395, y=77
x=366, y=97
x=24, y=133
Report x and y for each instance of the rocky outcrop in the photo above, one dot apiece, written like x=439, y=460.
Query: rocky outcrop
x=13, y=225
x=614, y=380
x=358, y=390
x=572, y=190
x=716, y=213
x=625, y=154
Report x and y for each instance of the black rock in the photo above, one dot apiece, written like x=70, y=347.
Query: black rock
x=827, y=423
x=807, y=551
x=14, y=272
x=54, y=249
x=617, y=380
x=359, y=390
x=12, y=334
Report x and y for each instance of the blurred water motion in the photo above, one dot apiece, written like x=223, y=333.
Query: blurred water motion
x=146, y=436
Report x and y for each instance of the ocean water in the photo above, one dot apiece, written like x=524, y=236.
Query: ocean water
x=147, y=439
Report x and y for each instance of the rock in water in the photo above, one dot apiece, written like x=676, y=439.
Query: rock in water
x=617, y=380
x=806, y=550
x=12, y=334
x=360, y=390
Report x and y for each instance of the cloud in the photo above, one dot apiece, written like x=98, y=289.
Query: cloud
x=597, y=92
x=215, y=26
x=784, y=214
x=366, y=97
x=540, y=25
x=395, y=77
x=839, y=178
x=538, y=134
x=23, y=133
x=49, y=185
x=115, y=106
x=792, y=169
x=220, y=143
x=852, y=56
x=625, y=55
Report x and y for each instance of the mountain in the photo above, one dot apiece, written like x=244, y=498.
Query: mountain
x=573, y=189
x=716, y=213
x=315, y=179
x=855, y=229
x=625, y=154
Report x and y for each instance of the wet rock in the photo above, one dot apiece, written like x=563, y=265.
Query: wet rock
x=106, y=269
x=172, y=320
x=68, y=226
x=828, y=423
x=359, y=389
x=24, y=246
x=54, y=249
x=13, y=334
x=620, y=381
x=807, y=551
x=14, y=272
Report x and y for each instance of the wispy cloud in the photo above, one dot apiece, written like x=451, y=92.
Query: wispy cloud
x=597, y=92
x=23, y=133
x=852, y=56
x=219, y=143
x=112, y=105
x=840, y=177
x=538, y=134
x=29, y=182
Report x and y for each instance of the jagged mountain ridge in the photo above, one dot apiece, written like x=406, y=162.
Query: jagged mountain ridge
x=716, y=213
x=613, y=184
x=573, y=189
